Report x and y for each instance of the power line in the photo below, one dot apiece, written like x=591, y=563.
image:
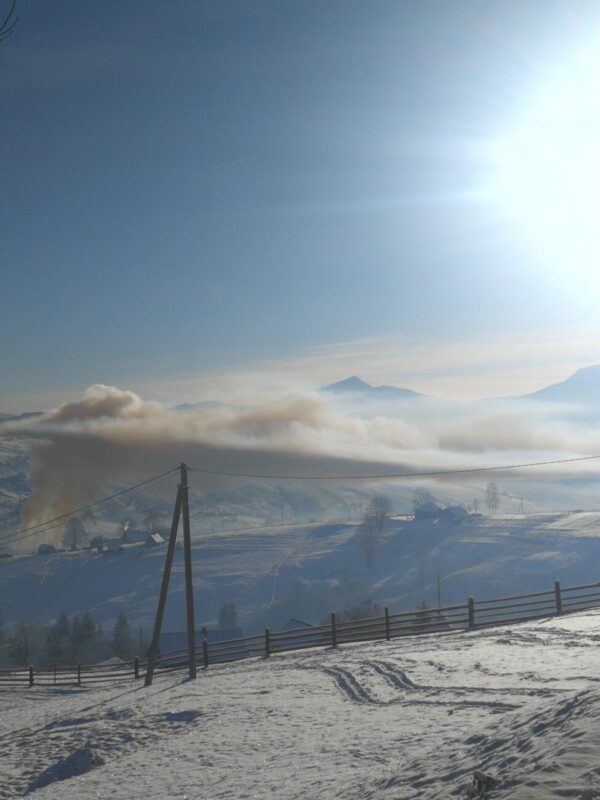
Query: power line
x=55, y=522
x=429, y=474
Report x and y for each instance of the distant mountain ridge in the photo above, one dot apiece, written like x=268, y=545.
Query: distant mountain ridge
x=356, y=386
x=581, y=387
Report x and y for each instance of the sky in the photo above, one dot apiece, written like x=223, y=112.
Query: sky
x=265, y=188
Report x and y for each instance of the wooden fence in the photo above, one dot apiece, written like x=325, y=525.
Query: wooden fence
x=472, y=615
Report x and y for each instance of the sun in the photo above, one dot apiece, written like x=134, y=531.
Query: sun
x=547, y=168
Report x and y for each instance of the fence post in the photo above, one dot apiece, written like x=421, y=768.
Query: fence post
x=387, y=623
x=78, y=674
x=333, y=630
x=471, y=606
x=267, y=642
x=136, y=667
x=558, y=597
x=30, y=676
x=205, y=652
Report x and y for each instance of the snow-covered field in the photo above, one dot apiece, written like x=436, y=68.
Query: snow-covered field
x=308, y=570
x=403, y=719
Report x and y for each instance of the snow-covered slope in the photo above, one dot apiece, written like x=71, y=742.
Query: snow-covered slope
x=412, y=718
x=308, y=570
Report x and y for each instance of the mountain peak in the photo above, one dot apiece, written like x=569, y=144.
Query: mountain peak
x=351, y=384
x=355, y=385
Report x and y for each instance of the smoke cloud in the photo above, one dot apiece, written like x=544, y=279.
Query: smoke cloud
x=111, y=437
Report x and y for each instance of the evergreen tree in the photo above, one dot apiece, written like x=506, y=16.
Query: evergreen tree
x=227, y=616
x=75, y=640
x=92, y=644
x=58, y=641
x=121, y=639
x=24, y=643
x=87, y=630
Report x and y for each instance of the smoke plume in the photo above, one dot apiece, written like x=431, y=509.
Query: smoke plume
x=111, y=437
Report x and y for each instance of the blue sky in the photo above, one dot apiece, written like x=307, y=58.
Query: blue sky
x=200, y=186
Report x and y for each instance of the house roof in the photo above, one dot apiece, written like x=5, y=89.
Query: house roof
x=456, y=511
x=428, y=508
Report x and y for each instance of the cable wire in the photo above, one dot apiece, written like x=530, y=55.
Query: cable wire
x=55, y=522
x=429, y=474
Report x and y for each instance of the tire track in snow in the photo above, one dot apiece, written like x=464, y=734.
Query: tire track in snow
x=350, y=686
x=354, y=690
x=393, y=675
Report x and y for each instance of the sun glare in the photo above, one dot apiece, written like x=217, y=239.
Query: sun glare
x=548, y=169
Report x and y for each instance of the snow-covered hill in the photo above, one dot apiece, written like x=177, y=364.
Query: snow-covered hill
x=308, y=570
x=410, y=718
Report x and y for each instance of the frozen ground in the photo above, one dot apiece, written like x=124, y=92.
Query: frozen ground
x=405, y=719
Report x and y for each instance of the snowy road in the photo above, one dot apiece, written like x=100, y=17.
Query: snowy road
x=405, y=719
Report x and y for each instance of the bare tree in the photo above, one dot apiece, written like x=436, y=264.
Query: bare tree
x=24, y=643
x=421, y=496
x=373, y=524
x=7, y=25
x=491, y=495
x=367, y=538
x=379, y=509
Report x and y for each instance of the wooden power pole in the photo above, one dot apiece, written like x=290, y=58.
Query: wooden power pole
x=189, y=585
x=181, y=509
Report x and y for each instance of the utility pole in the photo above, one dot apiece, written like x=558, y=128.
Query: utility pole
x=181, y=509
x=189, y=583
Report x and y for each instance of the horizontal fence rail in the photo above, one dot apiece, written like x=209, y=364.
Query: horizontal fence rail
x=474, y=614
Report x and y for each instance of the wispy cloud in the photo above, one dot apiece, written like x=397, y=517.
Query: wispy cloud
x=488, y=367
x=450, y=368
